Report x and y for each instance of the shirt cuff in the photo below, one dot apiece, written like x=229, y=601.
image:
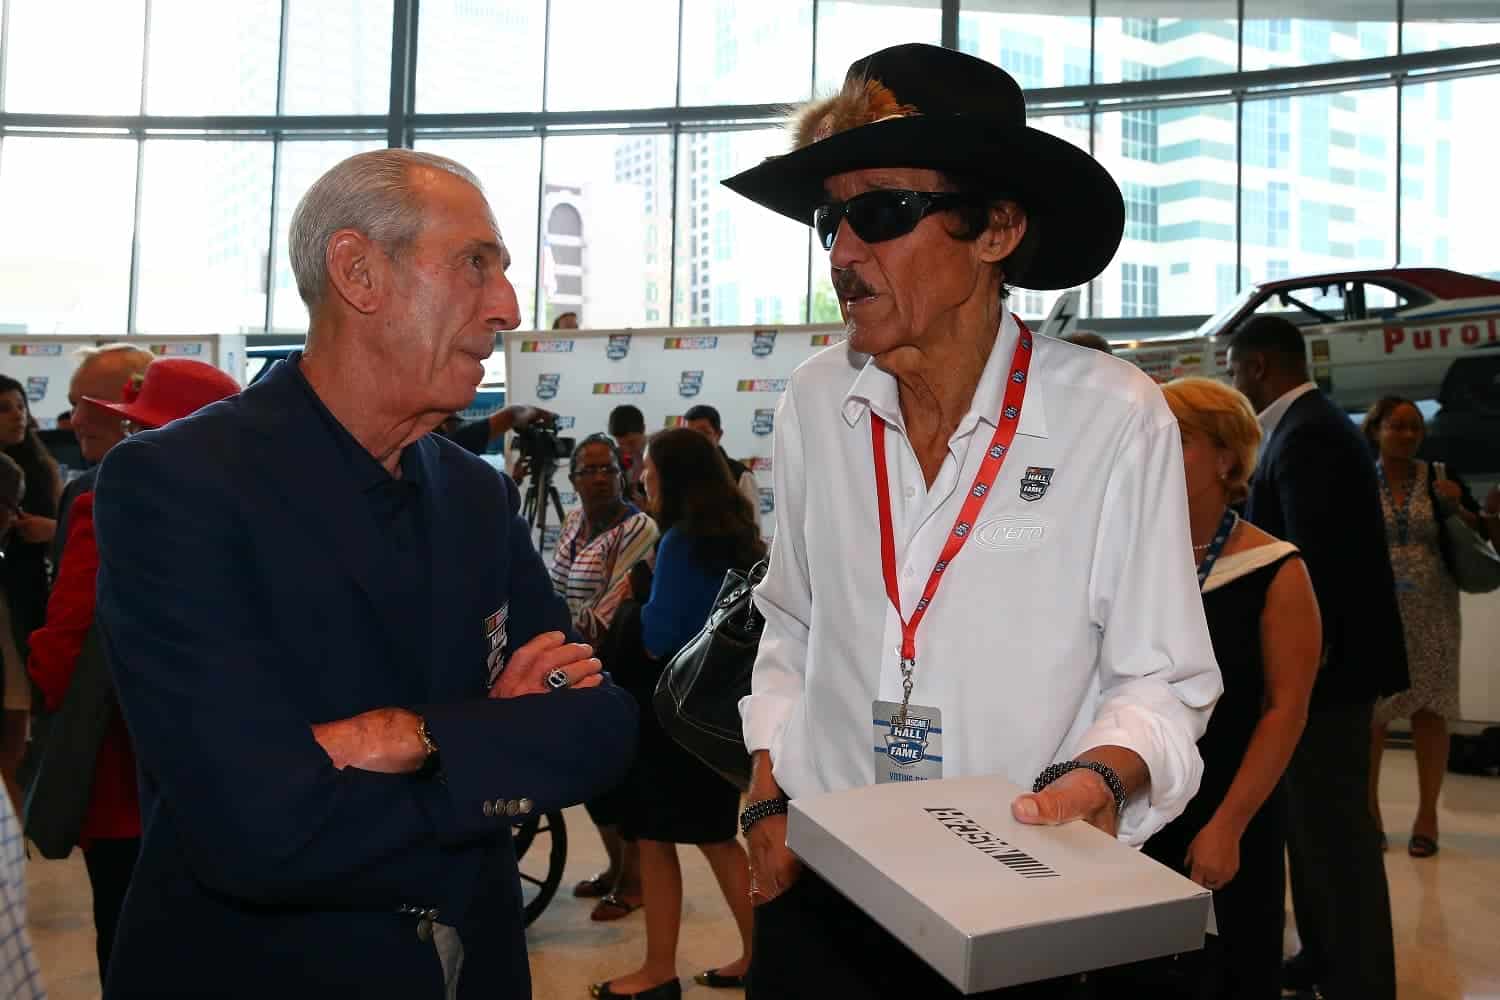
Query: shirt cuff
x=1173, y=766
x=764, y=718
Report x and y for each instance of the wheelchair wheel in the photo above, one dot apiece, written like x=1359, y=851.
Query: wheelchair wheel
x=541, y=851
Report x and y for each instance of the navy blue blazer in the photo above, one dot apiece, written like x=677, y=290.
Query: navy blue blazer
x=243, y=601
x=1315, y=487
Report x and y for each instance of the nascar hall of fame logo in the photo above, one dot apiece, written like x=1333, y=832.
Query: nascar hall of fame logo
x=690, y=344
x=546, y=347
x=568, y=499
x=618, y=346
x=761, y=385
x=549, y=538
x=619, y=388
x=546, y=385
x=1034, y=484
x=36, y=388
x=826, y=339
x=566, y=423
x=763, y=423
x=674, y=421
x=767, y=500
x=36, y=350
x=763, y=344
x=690, y=385
x=177, y=350
x=906, y=744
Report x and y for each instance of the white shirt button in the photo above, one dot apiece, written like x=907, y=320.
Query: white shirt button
x=911, y=491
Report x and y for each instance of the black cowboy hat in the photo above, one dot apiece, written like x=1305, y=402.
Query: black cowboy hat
x=930, y=107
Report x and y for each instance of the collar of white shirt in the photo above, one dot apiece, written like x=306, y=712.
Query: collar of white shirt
x=1271, y=415
x=877, y=391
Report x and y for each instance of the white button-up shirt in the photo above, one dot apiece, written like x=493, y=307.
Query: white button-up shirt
x=1067, y=622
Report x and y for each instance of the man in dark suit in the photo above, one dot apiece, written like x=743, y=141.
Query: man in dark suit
x=339, y=655
x=1315, y=486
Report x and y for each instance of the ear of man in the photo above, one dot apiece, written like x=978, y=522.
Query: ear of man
x=358, y=270
x=1006, y=231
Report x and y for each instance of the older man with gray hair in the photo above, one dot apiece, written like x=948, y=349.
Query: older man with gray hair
x=340, y=656
x=102, y=373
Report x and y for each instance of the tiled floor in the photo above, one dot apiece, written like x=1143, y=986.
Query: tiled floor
x=1447, y=909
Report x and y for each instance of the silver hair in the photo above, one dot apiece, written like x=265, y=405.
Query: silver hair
x=132, y=359
x=370, y=193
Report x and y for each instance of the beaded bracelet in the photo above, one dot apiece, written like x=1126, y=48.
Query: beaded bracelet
x=764, y=809
x=1055, y=771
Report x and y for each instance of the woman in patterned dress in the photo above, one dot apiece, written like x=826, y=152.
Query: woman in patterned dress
x=600, y=541
x=1416, y=500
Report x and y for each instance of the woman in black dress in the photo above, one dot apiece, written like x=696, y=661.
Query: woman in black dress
x=1267, y=635
x=23, y=572
x=707, y=527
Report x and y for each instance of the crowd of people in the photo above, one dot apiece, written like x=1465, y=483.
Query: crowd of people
x=313, y=756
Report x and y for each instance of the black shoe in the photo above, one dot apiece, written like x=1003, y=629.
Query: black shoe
x=718, y=982
x=1298, y=974
x=669, y=990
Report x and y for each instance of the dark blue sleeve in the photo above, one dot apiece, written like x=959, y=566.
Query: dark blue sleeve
x=682, y=594
x=556, y=749
x=261, y=814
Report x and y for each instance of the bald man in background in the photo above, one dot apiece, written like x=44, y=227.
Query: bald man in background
x=103, y=373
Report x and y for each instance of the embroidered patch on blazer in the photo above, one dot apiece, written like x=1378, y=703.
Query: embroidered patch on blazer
x=495, y=631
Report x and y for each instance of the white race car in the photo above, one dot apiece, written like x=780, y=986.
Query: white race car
x=1369, y=333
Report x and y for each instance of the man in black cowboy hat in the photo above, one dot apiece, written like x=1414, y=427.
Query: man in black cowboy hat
x=1040, y=484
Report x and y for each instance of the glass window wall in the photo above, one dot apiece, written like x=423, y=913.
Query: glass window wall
x=623, y=219
x=67, y=205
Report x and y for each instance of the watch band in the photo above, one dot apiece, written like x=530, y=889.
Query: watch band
x=1055, y=771
x=757, y=811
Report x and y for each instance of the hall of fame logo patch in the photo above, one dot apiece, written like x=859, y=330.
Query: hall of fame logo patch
x=1034, y=484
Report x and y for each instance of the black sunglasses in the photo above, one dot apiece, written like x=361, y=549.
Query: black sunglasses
x=877, y=216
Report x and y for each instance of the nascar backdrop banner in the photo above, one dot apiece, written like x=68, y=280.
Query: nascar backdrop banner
x=740, y=371
x=44, y=363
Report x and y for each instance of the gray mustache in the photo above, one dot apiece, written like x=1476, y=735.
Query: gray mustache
x=849, y=285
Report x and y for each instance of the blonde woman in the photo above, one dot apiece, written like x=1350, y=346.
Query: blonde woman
x=1263, y=619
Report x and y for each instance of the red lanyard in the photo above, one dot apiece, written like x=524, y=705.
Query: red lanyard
x=989, y=471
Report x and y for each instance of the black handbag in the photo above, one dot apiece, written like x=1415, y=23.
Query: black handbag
x=698, y=694
x=64, y=752
x=1468, y=555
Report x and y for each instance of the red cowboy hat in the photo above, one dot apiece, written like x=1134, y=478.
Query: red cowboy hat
x=174, y=388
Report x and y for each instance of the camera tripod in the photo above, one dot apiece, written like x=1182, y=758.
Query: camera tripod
x=538, y=491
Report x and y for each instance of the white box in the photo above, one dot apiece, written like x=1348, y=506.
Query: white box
x=987, y=901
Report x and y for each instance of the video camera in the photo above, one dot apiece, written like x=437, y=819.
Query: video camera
x=540, y=444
